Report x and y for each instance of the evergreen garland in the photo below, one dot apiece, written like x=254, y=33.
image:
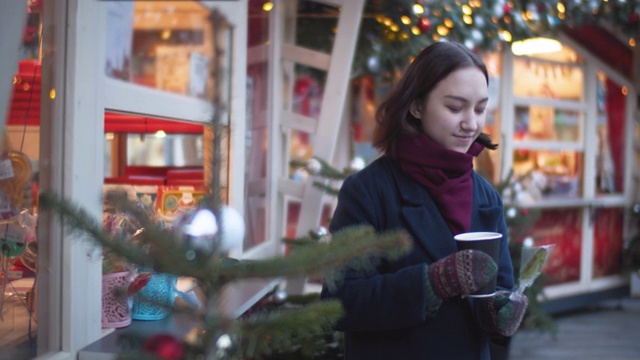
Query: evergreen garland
x=392, y=32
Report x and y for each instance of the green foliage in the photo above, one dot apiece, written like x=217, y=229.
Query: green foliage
x=299, y=330
x=318, y=258
x=520, y=221
x=278, y=331
x=391, y=33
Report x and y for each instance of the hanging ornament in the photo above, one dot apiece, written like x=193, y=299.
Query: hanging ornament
x=321, y=231
x=633, y=18
x=506, y=9
x=357, y=164
x=164, y=346
x=512, y=213
x=314, y=166
x=476, y=36
x=199, y=228
x=233, y=229
x=224, y=347
x=373, y=64
x=323, y=235
x=299, y=175
x=280, y=296
x=469, y=44
x=528, y=242
x=424, y=24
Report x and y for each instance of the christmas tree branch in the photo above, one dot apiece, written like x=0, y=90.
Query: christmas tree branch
x=359, y=243
x=163, y=242
x=282, y=330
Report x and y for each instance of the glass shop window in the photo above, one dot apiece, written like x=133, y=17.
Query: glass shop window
x=166, y=45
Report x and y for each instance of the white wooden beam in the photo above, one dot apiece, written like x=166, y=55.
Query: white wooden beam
x=331, y=111
x=304, y=56
x=299, y=122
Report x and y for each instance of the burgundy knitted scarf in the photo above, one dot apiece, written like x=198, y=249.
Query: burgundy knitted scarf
x=445, y=173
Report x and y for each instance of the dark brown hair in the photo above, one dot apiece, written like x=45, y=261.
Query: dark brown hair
x=432, y=64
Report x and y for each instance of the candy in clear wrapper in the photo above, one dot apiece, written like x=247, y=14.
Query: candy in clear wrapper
x=533, y=260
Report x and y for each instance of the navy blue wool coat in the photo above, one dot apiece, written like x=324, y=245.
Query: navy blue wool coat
x=386, y=314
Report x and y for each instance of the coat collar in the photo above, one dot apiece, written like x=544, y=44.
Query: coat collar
x=422, y=217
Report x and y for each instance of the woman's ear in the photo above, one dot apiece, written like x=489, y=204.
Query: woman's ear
x=415, y=109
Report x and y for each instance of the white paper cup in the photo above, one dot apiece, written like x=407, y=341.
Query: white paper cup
x=488, y=242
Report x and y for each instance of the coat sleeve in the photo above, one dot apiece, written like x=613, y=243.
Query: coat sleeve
x=380, y=300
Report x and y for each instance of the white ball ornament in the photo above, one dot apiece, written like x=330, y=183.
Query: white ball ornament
x=469, y=44
x=357, y=164
x=321, y=231
x=198, y=230
x=528, y=242
x=280, y=296
x=314, y=166
x=476, y=36
x=233, y=229
x=373, y=64
x=200, y=227
x=498, y=11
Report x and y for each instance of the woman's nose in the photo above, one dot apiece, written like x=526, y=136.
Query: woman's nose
x=470, y=122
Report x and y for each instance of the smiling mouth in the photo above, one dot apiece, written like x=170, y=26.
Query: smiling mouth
x=464, y=137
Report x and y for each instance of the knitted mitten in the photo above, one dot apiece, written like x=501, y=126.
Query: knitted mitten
x=501, y=313
x=458, y=274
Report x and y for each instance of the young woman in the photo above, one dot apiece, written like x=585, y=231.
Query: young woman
x=428, y=130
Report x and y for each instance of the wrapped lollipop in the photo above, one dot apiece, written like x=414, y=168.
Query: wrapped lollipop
x=533, y=260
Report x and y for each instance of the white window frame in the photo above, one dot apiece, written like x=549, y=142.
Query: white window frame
x=72, y=128
x=588, y=199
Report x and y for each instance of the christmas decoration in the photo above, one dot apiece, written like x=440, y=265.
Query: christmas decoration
x=199, y=229
x=519, y=221
x=164, y=346
x=394, y=31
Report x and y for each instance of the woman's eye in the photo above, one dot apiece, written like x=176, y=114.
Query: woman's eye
x=480, y=110
x=455, y=109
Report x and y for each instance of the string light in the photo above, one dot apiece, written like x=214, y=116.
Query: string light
x=418, y=9
x=267, y=6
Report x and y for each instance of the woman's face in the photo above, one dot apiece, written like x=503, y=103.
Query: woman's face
x=454, y=113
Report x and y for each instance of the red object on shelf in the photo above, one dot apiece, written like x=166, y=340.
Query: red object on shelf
x=193, y=177
x=25, y=100
x=146, y=125
x=25, y=108
x=136, y=180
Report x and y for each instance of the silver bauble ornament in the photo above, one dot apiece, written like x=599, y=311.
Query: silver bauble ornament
x=198, y=229
x=373, y=64
x=357, y=164
x=314, y=166
x=321, y=231
x=280, y=296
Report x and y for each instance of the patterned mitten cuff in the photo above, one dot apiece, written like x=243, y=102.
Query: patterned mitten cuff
x=461, y=273
x=433, y=300
x=501, y=314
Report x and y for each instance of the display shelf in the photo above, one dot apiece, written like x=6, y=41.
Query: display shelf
x=235, y=300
